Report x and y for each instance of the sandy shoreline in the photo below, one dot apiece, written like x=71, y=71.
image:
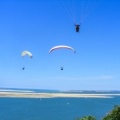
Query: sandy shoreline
x=54, y=95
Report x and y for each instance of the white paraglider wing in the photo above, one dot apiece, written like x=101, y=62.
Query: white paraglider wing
x=24, y=53
x=61, y=47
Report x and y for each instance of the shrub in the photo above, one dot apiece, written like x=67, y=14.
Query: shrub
x=114, y=114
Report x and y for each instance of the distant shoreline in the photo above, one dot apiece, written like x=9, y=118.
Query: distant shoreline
x=54, y=95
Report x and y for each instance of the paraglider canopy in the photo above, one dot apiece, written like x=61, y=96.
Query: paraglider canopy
x=24, y=53
x=61, y=47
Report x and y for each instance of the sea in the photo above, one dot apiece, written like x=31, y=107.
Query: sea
x=57, y=108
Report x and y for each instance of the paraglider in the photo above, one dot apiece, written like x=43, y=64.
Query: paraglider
x=26, y=53
x=62, y=47
x=77, y=10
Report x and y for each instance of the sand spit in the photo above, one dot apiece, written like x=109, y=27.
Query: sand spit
x=54, y=95
x=21, y=91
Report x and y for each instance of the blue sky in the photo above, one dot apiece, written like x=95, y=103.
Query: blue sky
x=38, y=25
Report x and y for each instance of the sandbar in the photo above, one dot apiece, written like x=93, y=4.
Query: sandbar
x=54, y=95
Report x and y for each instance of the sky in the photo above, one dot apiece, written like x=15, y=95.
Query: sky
x=39, y=25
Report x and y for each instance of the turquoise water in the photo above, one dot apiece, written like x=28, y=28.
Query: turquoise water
x=55, y=108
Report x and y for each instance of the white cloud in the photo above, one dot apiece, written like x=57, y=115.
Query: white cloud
x=103, y=77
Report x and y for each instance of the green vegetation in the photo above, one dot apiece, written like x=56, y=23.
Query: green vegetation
x=87, y=118
x=112, y=115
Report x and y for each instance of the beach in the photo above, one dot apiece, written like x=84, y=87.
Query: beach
x=54, y=95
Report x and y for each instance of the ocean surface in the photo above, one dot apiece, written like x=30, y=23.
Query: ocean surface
x=56, y=108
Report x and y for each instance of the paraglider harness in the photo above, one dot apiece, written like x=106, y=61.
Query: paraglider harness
x=61, y=68
x=77, y=27
x=23, y=68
